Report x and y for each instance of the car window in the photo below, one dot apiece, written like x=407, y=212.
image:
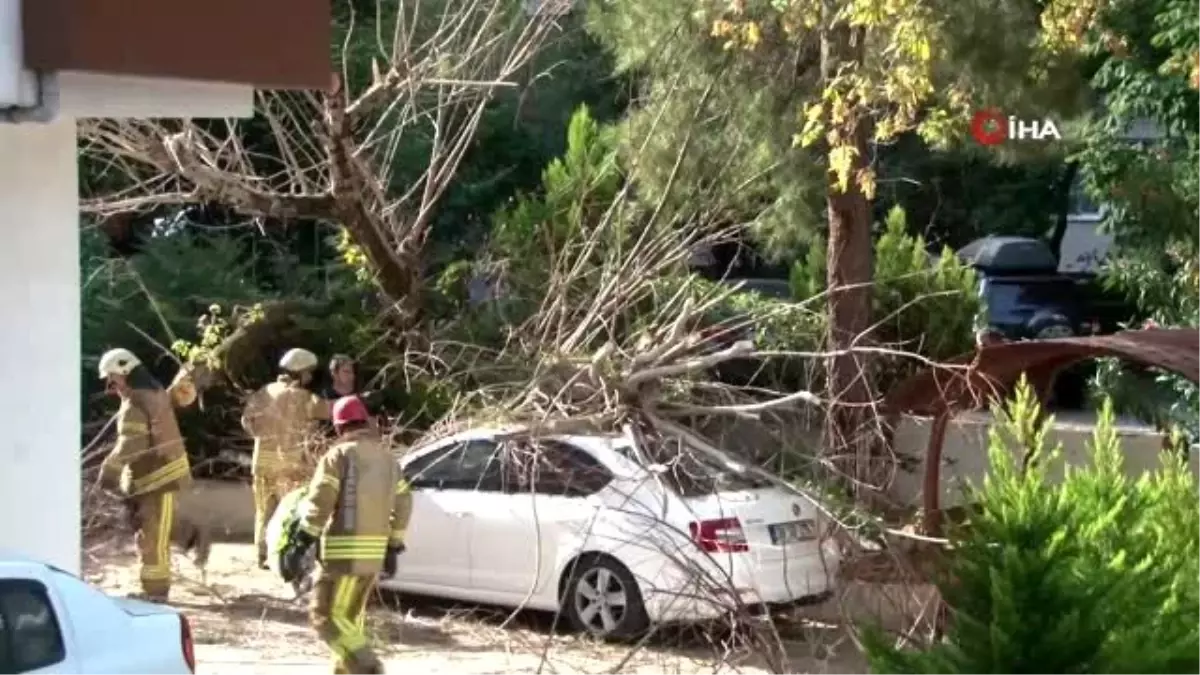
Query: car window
x=468, y=465
x=694, y=473
x=552, y=467
x=1009, y=299
x=30, y=637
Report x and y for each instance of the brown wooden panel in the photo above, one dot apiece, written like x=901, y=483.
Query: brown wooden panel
x=271, y=44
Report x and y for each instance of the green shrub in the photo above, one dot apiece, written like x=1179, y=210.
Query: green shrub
x=577, y=189
x=1096, y=574
x=923, y=304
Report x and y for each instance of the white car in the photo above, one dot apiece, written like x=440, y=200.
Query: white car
x=615, y=536
x=53, y=622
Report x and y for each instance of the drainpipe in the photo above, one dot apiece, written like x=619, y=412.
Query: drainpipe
x=24, y=96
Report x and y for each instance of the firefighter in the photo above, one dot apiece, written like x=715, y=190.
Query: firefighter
x=282, y=418
x=150, y=466
x=358, y=506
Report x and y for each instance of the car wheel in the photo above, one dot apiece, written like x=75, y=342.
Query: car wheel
x=601, y=598
x=1049, y=326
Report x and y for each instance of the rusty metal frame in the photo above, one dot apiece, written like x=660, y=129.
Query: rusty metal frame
x=988, y=375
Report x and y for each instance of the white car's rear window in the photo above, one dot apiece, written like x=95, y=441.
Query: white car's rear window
x=694, y=473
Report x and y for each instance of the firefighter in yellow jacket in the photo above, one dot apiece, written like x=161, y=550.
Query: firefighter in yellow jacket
x=358, y=506
x=151, y=466
x=282, y=418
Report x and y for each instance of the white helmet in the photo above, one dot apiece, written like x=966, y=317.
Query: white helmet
x=298, y=361
x=118, y=362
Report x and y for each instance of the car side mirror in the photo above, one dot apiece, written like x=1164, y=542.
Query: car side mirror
x=425, y=484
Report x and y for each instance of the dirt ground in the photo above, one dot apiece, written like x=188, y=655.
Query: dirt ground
x=246, y=621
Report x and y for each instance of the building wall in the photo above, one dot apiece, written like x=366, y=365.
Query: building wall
x=965, y=460
x=39, y=346
x=40, y=298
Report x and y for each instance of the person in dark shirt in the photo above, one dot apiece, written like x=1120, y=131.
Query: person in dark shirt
x=343, y=377
x=343, y=381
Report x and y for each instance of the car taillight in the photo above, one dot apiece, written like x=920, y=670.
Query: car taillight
x=189, y=647
x=723, y=535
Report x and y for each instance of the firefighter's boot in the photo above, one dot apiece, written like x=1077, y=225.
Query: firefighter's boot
x=364, y=661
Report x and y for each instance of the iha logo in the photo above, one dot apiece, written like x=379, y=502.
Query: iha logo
x=991, y=126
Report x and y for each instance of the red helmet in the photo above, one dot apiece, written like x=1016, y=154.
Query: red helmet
x=349, y=409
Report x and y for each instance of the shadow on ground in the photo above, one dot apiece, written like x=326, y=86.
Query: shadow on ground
x=780, y=645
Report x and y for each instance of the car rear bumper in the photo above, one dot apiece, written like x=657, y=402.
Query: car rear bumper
x=747, y=584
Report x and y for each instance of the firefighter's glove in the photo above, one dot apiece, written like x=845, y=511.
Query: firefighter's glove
x=291, y=559
x=110, y=476
x=389, y=560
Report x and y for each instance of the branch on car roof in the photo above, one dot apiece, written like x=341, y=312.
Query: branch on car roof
x=744, y=409
x=736, y=351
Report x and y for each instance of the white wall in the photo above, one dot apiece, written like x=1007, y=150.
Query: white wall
x=39, y=298
x=965, y=461
x=40, y=343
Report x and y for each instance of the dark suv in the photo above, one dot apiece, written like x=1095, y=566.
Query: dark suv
x=1025, y=296
x=1031, y=307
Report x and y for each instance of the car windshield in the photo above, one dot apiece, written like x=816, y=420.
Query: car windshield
x=695, y=473
x=1008, y=298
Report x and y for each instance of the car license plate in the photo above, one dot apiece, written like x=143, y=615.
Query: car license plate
x=790, y=533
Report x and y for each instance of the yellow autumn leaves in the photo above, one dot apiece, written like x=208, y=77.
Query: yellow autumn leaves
x=737, y=34
x=890, y=83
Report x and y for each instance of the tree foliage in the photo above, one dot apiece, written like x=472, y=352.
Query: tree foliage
x=912, y=291
x=1146, y=55
x=805, y=93
x=1096, y=574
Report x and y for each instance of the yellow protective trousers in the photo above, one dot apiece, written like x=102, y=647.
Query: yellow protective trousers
x=268, y=490
x=154, y=523
x=338, y=615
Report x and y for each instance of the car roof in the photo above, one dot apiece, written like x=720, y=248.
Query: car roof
x=512, y=430
x=591, y=440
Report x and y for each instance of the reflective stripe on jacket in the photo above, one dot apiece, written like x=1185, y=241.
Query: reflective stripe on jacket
x=359, y=503
x=149, y=446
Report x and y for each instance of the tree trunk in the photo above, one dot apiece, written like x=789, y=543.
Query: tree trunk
x=359, y=206
x=848, y=429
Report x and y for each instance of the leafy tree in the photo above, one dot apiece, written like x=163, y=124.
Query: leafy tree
x=850, y=75
x=1096, y=574
x=416, y=81
x=912, y=291
x=1146, y=56
x=577, y=189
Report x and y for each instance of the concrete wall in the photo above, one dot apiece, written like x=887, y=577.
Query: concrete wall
x=226, y=507
x=796, y=437
x=964, y=455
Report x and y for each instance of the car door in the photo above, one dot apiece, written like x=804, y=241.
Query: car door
x=546, y=503
x=438, y=541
